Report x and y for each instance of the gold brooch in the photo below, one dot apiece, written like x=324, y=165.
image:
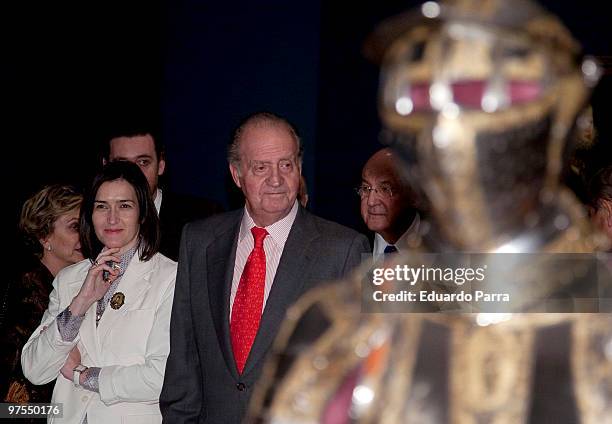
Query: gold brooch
x=117, y=300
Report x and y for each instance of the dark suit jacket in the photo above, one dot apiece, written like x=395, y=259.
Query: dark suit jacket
x=177, y=210
x=201, y=383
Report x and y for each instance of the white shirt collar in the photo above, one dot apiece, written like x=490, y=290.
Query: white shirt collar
x=380, y=244
x=279, y=231
x=158, y=200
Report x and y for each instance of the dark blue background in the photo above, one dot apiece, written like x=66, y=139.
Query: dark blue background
x=70, y=68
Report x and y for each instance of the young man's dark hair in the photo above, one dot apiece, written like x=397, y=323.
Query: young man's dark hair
x=132, y=126
x=138, y=141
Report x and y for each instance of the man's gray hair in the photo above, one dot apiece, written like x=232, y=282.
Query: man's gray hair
x=261, y=119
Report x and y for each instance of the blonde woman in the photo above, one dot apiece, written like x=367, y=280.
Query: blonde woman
x=49, y=223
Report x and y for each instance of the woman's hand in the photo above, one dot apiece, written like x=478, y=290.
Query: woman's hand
x=74, y=359
x=95, y=286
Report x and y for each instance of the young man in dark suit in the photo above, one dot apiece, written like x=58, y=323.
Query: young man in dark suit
x=240, y=271
x=142, y=146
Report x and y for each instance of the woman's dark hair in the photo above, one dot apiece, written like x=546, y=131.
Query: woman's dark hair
x=149, y=235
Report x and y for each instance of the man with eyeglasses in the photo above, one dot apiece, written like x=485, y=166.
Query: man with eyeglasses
x=388, y=204
x=240, y=271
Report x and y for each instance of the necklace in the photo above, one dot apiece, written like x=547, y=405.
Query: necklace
x=99, y=310
x=116, y=299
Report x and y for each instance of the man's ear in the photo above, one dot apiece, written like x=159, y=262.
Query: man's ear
x=104, y=161
x=235, y=174
x=161, y=166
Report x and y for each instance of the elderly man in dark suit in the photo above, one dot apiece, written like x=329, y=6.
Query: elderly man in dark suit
x=388, y=204
x=240, y=271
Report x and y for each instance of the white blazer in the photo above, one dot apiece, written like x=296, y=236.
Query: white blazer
x=130, y=344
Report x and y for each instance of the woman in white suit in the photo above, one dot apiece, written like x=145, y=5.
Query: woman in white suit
x=105, y=334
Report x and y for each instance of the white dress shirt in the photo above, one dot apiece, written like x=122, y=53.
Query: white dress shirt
x=158, y=200
x=380, y=244
x=274, y=243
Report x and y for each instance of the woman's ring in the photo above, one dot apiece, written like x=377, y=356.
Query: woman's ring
x=96, y=263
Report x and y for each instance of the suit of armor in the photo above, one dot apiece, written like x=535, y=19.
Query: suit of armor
x=481, y=97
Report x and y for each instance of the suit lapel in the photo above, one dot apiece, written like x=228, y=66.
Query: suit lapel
x=133, y=284
x=220, y=258
x=288, y=284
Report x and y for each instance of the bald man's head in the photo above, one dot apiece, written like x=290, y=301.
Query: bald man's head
x=387, y=201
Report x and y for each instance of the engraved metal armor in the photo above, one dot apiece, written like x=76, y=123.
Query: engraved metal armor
x=479, y=98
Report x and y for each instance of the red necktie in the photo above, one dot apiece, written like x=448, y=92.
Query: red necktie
x=248, y=303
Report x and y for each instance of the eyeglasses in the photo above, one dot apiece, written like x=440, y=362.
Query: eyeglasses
x=384, y=190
